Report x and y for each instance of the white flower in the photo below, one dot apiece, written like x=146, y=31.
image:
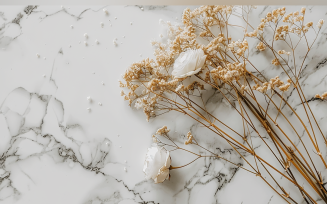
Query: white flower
x=189, y=63
x=157, y=163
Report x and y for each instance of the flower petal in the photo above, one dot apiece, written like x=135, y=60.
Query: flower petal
x=152, y=162
x=188, y=62
x=162, y=175
x=168, y=160
x=157, y=163
x=194, y=72
x=201, y=61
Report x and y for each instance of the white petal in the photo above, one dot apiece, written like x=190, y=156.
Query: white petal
x=163, y=154
x=168, y=160
x=152, y=162
x=181, y=76
x=164, y=174
x=201, y=61
x=157, y=163
x=179, y=61
x=189, y=73
x=178, y=71
x=195, y=72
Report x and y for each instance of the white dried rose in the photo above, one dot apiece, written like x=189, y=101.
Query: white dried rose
x=157, y=163
x=189, y=63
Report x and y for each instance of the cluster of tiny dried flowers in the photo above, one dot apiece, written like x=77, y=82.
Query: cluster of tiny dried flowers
x=298, y=17
x=230, y=72
x=149, y=80
x=136, y=77
x=209, y=14
x=276, y=61
x=274, y=82
x=225, y=71
x=273, y=16
x=163, y=131
x=218, y=43
x=239, y=47
x=261, y=46
x=153, y=76
x=293, y=24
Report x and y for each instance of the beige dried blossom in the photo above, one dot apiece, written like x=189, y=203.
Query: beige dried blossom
x=284, y=87
x=287, y=17
x=303, y=10
x=162, y=131
x=216, y=44
x=241, y=45
x=251, y=34
x=275, y=62
x=121, y=84
x=294, y=17
x=320, y=23
x=309, y=24
x=275, y=14
x=281, y=32
x=187, y=17
x=275, y=82
x=280, y=52
x=207, y=77
x=245, y=89
x=154, y=139
x=261, y=46
x=189, y=138
x=305, y=29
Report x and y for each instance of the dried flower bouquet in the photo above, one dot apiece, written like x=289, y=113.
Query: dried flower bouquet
x=202, y=57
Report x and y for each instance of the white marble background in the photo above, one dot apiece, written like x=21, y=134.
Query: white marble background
x=52, y=150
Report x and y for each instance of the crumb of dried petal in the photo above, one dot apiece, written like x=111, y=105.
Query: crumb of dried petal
x=189, y=138
x=162, y=131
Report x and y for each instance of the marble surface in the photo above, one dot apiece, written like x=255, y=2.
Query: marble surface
x=53, y=150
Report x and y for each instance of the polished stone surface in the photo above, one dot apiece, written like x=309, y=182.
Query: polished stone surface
x=54, y=150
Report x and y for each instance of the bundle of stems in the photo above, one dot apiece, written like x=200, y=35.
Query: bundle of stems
x=292, y=139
